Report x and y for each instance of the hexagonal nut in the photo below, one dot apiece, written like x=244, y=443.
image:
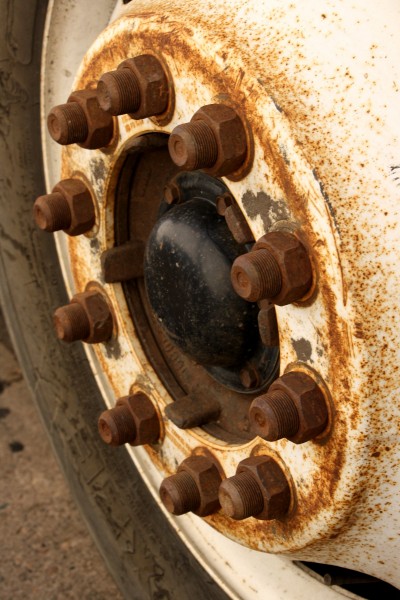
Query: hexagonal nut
x=230, y=135
x=272, y=483
x=153, y=85
x=294, y=264
x=100, y=123
x=146, y=419
x=208, y=479
x=80, y=203
x=99, y=314
x=310, y=404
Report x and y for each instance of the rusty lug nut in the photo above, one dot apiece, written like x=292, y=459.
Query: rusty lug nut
x=187, y=412
x=67, y=124
x=194, y=488
x=214, y=140
x=123, y=263
x=277, y=268
x=133, y=421
x=256, y=275
x=259, y=489
x=139, y=87
x=87, y=317
x=81, y=121
x=69, y=207
x=172, y=193
x=223, y=202
x=249, y=377
x=294, y=408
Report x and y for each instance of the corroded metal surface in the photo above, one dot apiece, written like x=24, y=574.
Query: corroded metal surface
x=319, y=95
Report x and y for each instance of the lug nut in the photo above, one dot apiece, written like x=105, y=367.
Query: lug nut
x=249, y=377
x=133, y=421
x=71, y=323
x=214, y=140
x=223, y=202
x=256, y=275
x=194, y=488
x=259, y=489
x=180, y=494
x=139, y=87
x=172, y=193
x=87, y=317
x=69, y=207
x=277, y=268
x=193, y=146
x=67, y=124
x=241, y=497
x=123, y=263
x=81, y=121
x=293, y=408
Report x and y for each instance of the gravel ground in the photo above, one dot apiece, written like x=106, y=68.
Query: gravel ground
x=46, y=552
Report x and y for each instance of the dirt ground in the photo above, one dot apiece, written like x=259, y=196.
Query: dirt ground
x=46, y=552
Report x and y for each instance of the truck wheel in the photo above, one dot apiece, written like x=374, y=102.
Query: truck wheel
x=199, y=352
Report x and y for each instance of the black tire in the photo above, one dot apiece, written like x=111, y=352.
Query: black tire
x=142, y=551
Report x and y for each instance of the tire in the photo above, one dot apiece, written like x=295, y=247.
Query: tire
x=144, y=554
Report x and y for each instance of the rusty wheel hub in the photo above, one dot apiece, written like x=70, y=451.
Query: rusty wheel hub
x=198, y=234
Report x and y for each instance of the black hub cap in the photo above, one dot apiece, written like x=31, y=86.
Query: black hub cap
x=187, y=273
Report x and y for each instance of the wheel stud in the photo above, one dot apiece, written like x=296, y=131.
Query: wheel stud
x=180, y=494
x=67, y=124
x=259, y=489
x=139, y=87
x=87, y=317
x=71, y=323
x=214, y=140
x=277, y=268
x=193, y=146
x=81, y=121
x=256, y=275
x=69, y=207
x=123, y=263
x=133, y=421
x=293, y=408
x=194, y=488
